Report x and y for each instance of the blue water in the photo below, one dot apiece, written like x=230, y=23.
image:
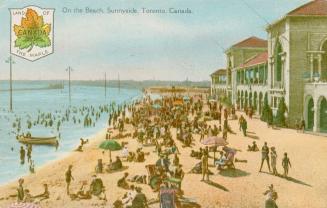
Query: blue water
x=27, y=105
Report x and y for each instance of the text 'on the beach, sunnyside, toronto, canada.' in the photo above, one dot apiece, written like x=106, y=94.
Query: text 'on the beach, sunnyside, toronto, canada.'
x=110, y=10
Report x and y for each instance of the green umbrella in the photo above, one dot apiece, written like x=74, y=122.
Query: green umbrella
x=110, y=145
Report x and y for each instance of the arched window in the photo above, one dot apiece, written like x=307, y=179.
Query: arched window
x=323, y=75
x=278, y=61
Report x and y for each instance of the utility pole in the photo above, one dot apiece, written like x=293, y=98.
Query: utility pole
x=69, y=69
x=11, y=62
x=105, y=85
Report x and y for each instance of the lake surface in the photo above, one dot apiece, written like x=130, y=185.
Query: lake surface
x=27, y=105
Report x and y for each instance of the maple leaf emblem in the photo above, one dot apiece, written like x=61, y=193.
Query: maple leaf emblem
x=32, y=32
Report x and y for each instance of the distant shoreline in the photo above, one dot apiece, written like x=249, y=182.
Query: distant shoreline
x=29, y=89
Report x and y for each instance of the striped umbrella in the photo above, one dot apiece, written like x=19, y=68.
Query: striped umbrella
x=214, y=141
x=23, y=205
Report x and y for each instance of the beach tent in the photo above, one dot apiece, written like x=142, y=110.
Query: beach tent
x=110, y=145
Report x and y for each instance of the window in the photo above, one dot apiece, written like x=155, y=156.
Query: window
x=275, y=102
x=278, y=61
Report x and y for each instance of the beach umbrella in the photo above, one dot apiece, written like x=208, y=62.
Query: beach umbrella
x=214, y=141
x=24, y=205
x=110, y=145
x=156, y=106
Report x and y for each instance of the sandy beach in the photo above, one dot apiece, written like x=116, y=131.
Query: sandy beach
x=239, y=188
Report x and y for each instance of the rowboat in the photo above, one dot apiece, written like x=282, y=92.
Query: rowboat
x=38, y=140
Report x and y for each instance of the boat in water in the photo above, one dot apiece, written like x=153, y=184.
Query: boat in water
x=38, y=140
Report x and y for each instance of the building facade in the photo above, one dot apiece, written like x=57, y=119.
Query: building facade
x=250, y=83
x=218, y=83
x=293, y=66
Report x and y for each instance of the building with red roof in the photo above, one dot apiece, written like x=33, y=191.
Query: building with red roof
x=291, y=66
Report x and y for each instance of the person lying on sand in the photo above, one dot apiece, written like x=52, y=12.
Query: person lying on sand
x=138, y=179
x=45, y=195
x=81, y=194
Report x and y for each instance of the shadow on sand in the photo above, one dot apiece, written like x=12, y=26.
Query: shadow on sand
x=290, y=179
x=252, y=136
x=233, y=173
x=216, y=185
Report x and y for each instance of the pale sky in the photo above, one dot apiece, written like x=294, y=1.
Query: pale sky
x=141, y=46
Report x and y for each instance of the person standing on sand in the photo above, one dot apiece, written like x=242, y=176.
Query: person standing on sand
x=204, y=166
x=265, y=156
x=273, y=156
x=244, y=126
x=240, y=121
x=69, y=177
x=286, y=164
x=20, y=190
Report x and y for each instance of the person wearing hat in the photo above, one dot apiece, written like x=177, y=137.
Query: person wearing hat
x=273, y=156
x=69, y=177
